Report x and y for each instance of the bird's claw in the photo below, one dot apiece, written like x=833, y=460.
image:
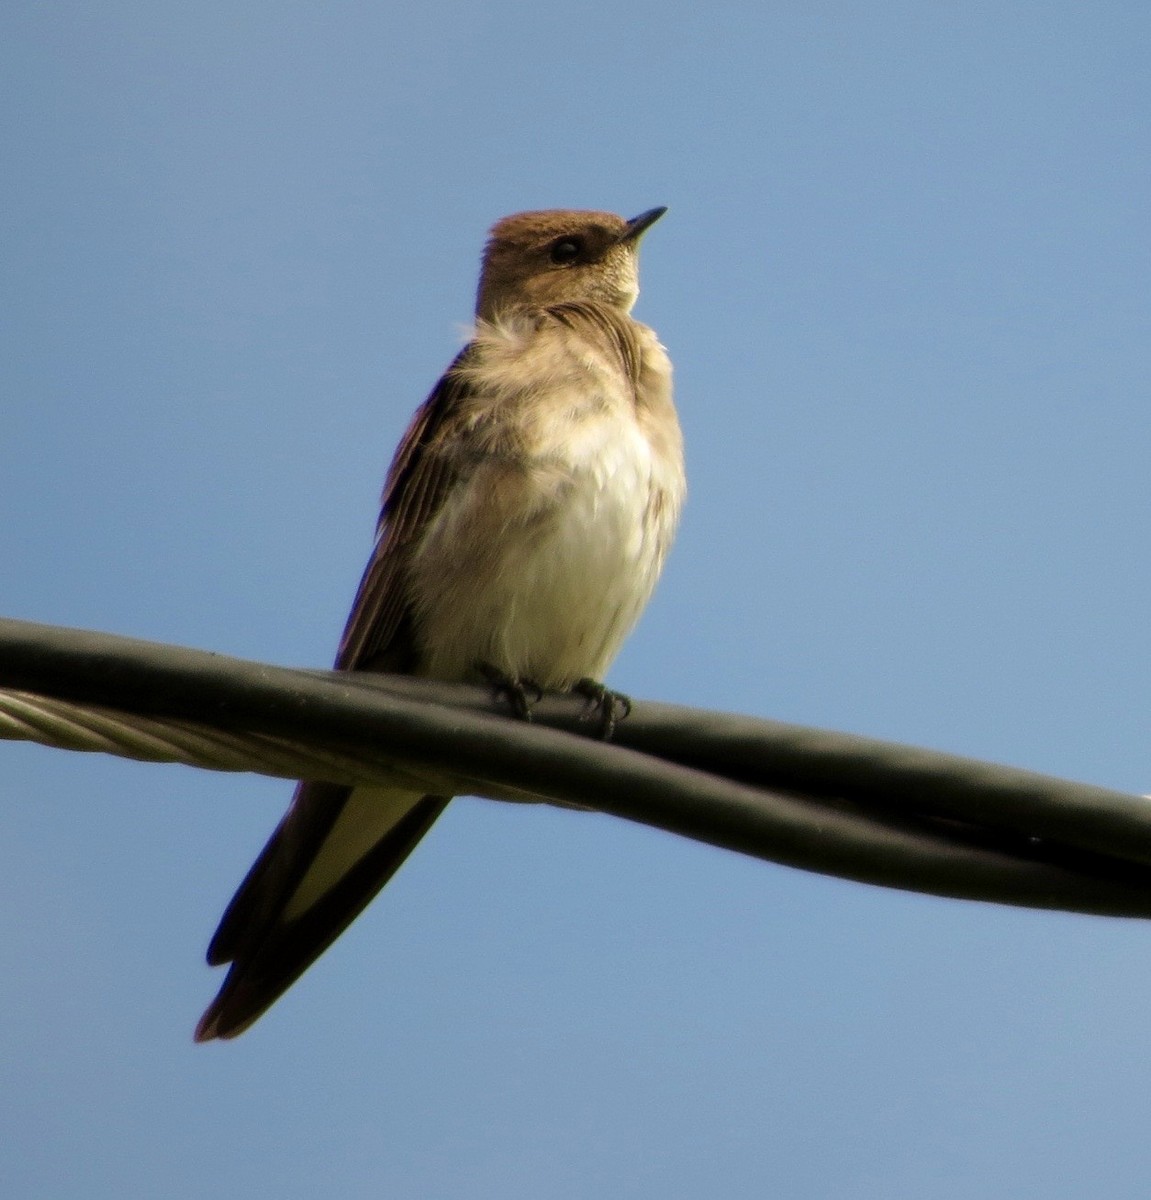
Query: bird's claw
x=610, y=707
x=512, y=689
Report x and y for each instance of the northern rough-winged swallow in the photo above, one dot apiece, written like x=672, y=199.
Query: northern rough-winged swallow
x=525, y=520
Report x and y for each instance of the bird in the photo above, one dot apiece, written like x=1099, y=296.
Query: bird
x=524, y=522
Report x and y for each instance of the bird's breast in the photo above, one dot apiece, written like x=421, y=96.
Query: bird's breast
x=540, y=562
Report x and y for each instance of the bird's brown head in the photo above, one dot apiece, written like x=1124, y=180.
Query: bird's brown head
x=534, y=259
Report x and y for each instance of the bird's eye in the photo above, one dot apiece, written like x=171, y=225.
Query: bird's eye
x=566, y=250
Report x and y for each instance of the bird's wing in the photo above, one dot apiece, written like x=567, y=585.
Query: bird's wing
x=336, y=846
x=378, y=634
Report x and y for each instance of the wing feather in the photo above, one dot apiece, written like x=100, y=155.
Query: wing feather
x=267, y=933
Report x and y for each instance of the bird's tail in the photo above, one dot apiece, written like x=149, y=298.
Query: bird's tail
x=334, y=850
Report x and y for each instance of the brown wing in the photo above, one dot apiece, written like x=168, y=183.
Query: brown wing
x=316, y=874
x=378, y=633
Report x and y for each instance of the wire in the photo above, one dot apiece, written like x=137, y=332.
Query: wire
x=835, y=803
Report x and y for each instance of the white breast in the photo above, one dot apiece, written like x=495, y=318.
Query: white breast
x=542, y=565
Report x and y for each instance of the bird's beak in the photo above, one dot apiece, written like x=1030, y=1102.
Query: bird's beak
x=637, y=226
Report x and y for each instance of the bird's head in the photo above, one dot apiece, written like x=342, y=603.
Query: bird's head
x=536, y=259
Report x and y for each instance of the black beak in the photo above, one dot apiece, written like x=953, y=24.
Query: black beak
x=637, y=226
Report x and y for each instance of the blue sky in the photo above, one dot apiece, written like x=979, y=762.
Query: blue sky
x=904, y=283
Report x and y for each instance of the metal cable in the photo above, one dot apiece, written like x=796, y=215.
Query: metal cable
x=834, y=803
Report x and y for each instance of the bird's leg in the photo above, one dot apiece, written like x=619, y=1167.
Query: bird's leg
x=512, y=689
x=610, y=707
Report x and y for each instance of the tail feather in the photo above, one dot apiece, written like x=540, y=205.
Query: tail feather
x=334, y=850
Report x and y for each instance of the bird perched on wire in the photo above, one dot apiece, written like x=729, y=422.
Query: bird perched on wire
x=525, y=520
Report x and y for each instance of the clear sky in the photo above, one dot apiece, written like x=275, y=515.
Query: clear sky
x=904, y=281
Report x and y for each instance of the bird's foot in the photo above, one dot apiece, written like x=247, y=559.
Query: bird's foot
x=609, y=707
x=512, y=689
